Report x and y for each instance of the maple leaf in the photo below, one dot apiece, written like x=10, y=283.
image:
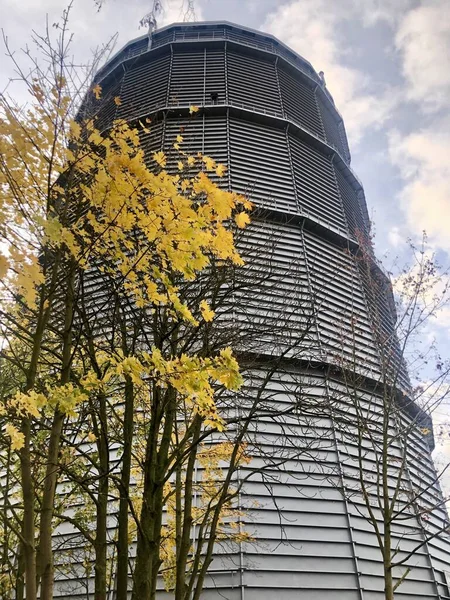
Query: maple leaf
x=242, y=219
x=97, y=91
x=220, y=170
x=207, y=313
x=117, y=101
x=193, y=109
x=160, y=158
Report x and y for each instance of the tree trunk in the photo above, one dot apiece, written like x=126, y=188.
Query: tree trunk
x=28, y=530
x=148, y=558
x=388, y=583
x=45, y=553
x=122, y=539
x=185, y=542
x=45, y=569
x=101, y=546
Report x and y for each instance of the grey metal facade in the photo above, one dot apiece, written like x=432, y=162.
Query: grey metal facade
x=266, y=114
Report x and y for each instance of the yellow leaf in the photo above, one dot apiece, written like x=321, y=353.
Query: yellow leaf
x=242, y=219
x=97, y=91
x=179, y=138
x=210, y=164
x=17, y=438
x=207, y=313
x=3, y=266
x=220, y=170
x=117, y=101
x=180, y=166
x=160, y=158
x=193, y=109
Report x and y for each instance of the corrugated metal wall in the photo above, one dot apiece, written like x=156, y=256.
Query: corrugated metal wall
x=266, y=116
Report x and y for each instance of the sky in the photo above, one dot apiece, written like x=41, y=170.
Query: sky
x=386, y=63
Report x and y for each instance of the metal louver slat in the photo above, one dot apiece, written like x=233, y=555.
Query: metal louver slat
x=252, y=83
x=315, y=184
x=144, y=89
x=187, y=78
x=255, y=146
x=299, y=102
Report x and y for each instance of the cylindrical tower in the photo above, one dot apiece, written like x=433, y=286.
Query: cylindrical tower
x=266, y=114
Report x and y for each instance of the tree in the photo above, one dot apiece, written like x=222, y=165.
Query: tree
x=118, y=282
x=72, y=199
x=388, y=476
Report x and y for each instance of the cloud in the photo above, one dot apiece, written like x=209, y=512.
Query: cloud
x=375, y=11
x=395, y=237
x=423, y=41
x=311, y=27
x=422, y=158
x=91, y=28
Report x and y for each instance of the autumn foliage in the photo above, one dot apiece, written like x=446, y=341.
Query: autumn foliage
x=81, y=207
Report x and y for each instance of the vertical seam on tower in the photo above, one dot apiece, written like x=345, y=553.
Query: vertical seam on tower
x=228, y=150
x=339, y=195
x=169, y=78
x=225, y=52
x=323, y=354
x=279, y=88
x=204, y=77
x=319, y=112
x=341, y=477
x=291, y=164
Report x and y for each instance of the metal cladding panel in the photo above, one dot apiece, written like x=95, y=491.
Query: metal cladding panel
x=187, y=77
x=252, y=83
x=215, y=88
x=145, y=88
x=299, y=101
x=316, y=185
x=275, y=127
x=260, y=167
x=356, y=221
x=343, y=320
x=278, y=302
x=332, y=127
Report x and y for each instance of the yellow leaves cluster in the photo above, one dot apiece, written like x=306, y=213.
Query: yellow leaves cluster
x=207, y=313
x=242, y=220
x=16, y=437
x=25, y=404
x=97, y=91
x=151, y=224
x=64, y=398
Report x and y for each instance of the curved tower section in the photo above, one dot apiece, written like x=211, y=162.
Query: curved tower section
x=267, y=115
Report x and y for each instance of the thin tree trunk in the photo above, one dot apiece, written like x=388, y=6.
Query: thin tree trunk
x=185, y=542
x=148, y=558
x=122, y=539
x=44, y=552
x=20, y=588
x=29, y=548
x=388, y=583
x=45, y=568
x=101, y=544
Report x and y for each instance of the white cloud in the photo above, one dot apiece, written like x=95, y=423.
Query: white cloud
x=374, y=11
x=423, y=40
x=422, y=158
x=311, y=27
x=395, y=237
x=91, y=28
